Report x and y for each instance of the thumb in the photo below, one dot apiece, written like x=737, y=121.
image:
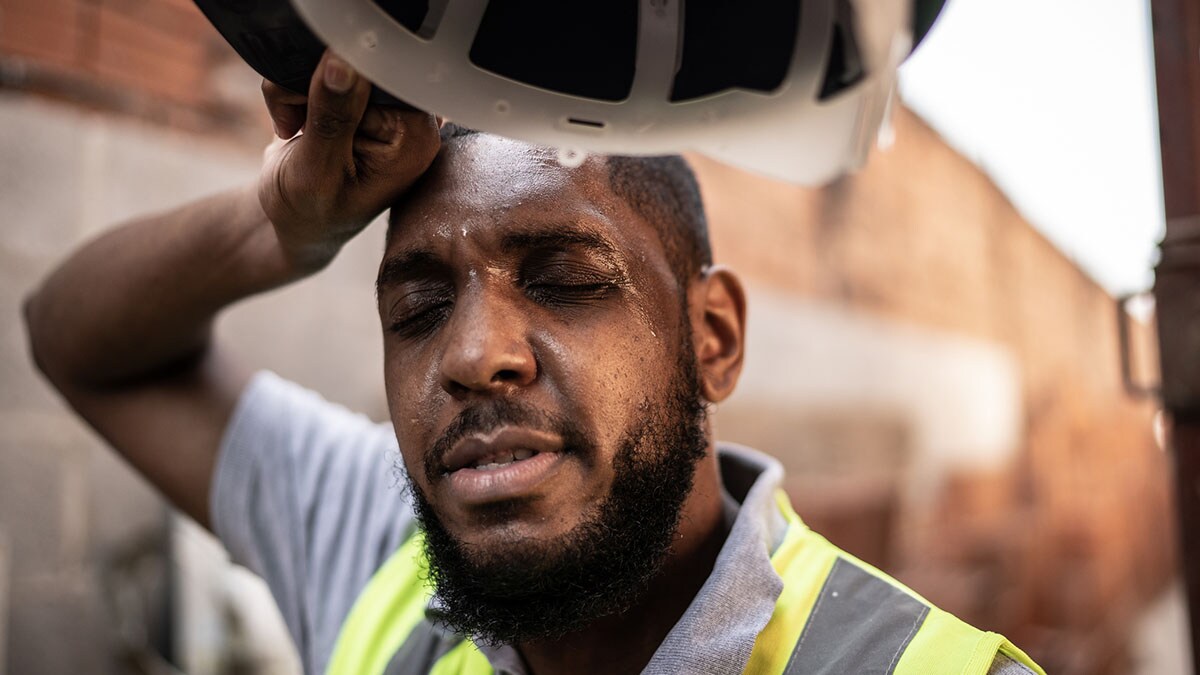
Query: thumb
x=337, y=99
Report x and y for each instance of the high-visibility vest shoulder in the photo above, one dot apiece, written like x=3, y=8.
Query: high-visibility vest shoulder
x=836, y=614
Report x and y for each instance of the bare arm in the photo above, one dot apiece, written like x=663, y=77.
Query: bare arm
x=123, y=328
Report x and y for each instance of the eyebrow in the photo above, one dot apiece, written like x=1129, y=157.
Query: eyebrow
x=410, y=264
x=558, y=239
x=421, y=263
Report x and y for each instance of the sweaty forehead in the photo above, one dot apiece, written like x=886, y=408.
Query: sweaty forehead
x=482, y=177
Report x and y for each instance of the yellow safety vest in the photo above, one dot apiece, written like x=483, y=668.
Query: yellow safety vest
x=836, y=614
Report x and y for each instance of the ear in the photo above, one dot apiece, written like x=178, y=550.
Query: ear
x=717, y=309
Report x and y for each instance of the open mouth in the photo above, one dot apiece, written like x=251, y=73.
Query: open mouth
x=505, y=463
x=501, y=459
x=498, y=449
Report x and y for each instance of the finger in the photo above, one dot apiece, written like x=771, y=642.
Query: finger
x=407, y=153
x=285, y=107
x=388, y=124
x=337, y=99
x=379, y=123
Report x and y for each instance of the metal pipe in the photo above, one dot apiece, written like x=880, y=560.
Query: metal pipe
x=1176, y=25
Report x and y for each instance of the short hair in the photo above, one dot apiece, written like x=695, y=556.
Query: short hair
x=663, y=190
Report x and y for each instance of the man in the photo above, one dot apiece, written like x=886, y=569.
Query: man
x=552, y=337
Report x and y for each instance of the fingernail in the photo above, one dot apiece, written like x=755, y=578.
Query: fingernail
x=339, y=76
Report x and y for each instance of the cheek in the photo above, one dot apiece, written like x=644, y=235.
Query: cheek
x=411, y=406
x=607, y=373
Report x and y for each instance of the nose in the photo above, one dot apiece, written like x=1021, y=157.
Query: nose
x=487, y=348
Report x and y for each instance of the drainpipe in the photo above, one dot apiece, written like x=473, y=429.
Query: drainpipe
x=1176, y=25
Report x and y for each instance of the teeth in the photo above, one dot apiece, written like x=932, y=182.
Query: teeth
x=504, y=459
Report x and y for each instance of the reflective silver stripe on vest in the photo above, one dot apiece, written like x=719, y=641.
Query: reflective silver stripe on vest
x=859, y=624
x=424, y=646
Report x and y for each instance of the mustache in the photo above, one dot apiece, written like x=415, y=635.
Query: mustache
x=487, y=417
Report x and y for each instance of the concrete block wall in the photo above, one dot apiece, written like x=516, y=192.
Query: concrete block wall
x=84, y=542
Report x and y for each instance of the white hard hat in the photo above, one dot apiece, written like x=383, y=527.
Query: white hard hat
x=792, y=89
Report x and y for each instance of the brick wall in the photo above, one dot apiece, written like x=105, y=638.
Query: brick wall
x=158, y=60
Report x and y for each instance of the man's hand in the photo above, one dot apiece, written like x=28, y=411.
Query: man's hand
x=347, y=164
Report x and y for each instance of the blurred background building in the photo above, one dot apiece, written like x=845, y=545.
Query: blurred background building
x=940, y=380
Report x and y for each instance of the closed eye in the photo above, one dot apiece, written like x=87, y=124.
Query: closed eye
x=556, y=278
x=417, y=314
x=570, y=294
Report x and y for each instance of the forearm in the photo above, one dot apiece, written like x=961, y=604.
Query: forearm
x=142, y=297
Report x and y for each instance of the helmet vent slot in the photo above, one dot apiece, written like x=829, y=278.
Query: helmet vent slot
x=732, y=44
x=591, y=124
x=581, y=49
x=408, y=13
x=845, y=66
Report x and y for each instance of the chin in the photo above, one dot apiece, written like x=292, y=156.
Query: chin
x=511, y=526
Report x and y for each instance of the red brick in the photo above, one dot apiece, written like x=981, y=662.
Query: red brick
x=142, y=57
x=45, y=30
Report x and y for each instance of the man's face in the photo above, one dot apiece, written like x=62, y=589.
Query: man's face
x=536, y=348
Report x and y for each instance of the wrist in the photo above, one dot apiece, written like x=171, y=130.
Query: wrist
x=288, y=256
x=302, y=259
x=306, y=241
x=265, y=248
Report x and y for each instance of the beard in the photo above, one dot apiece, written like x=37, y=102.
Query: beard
x=545, y=589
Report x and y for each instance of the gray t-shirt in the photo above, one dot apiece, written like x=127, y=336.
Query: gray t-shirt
x=310, y=497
